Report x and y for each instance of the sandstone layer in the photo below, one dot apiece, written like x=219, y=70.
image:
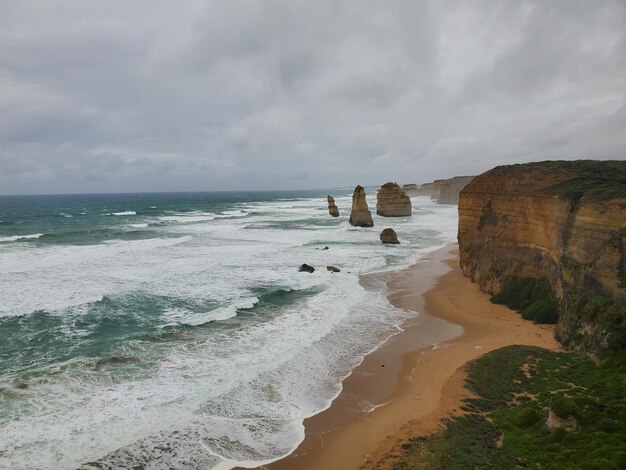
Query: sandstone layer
x=392, y=201
x=360, y=215
x=562, y=221
x=332, y=207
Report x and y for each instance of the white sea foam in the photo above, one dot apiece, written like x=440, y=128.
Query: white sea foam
x=216, y=396
x=14, y=238
x=222, y=313
x=124, y=213
x=138, y=225
x=189, y=217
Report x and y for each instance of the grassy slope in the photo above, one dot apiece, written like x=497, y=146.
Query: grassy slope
x=504, y=426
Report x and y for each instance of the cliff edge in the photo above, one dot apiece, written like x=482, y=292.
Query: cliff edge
x=560, y=221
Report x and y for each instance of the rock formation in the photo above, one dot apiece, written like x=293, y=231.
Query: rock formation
x=392, y=201
x=332, y=208
x=410, y=189
x=305, y=268
x=561, y=221
x=333, y=269
x=360, y=215
x=389, y=236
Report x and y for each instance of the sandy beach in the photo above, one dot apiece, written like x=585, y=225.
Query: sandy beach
x=407, y=386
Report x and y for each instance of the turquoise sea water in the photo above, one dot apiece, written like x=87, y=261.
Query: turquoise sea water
x=174, y=329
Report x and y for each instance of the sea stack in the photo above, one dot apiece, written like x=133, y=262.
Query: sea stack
x=388, y=236
x=392, y=201
x=332, y=208
x=360, y=215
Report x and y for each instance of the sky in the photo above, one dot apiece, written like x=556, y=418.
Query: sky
x=118, y=96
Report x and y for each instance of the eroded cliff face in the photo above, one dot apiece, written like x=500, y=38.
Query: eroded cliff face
x=531, y=221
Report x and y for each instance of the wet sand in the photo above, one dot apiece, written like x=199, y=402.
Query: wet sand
x=407, y=386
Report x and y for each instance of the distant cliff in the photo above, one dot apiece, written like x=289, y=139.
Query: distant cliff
x=447, y=191
x=444, y=191
x=564, y=222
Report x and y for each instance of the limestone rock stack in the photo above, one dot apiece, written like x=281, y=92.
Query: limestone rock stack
x=360, y=215
x=392, y=201
x=332, y=208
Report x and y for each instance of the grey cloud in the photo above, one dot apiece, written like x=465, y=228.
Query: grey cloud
x=152, y=95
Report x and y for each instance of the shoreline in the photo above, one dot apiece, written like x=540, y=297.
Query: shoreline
x=416, y=378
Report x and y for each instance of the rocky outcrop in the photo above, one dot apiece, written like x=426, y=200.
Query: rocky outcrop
x=410, y=189
x=360, y=215
x=392, y=201
x=333, y=269
x=332, y=208
x=388, y=236
x=561, y=221
x=306, y=268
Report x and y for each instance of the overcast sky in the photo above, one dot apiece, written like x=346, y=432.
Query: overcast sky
x=108, y=96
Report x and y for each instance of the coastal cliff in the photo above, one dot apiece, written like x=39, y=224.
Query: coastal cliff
x=562, y=222
x=444, y=191
x=447, y=191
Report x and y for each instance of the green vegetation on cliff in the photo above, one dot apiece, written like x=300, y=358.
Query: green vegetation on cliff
x=606, y=318
x=591, y=179
x=532, y=297
x=505, y=425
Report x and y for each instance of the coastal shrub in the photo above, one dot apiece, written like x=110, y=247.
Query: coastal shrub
x=542, y=311
x=532, y=297
x=563, y=406
x=608, y=319
x=502, y=432
x=588, y=179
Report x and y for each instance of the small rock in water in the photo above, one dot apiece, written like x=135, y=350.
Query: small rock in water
x=306, y=268
x=333, y=269
x=325, y=248
x=389, y=236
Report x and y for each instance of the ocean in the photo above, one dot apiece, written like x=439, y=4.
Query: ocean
x=174, y=330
